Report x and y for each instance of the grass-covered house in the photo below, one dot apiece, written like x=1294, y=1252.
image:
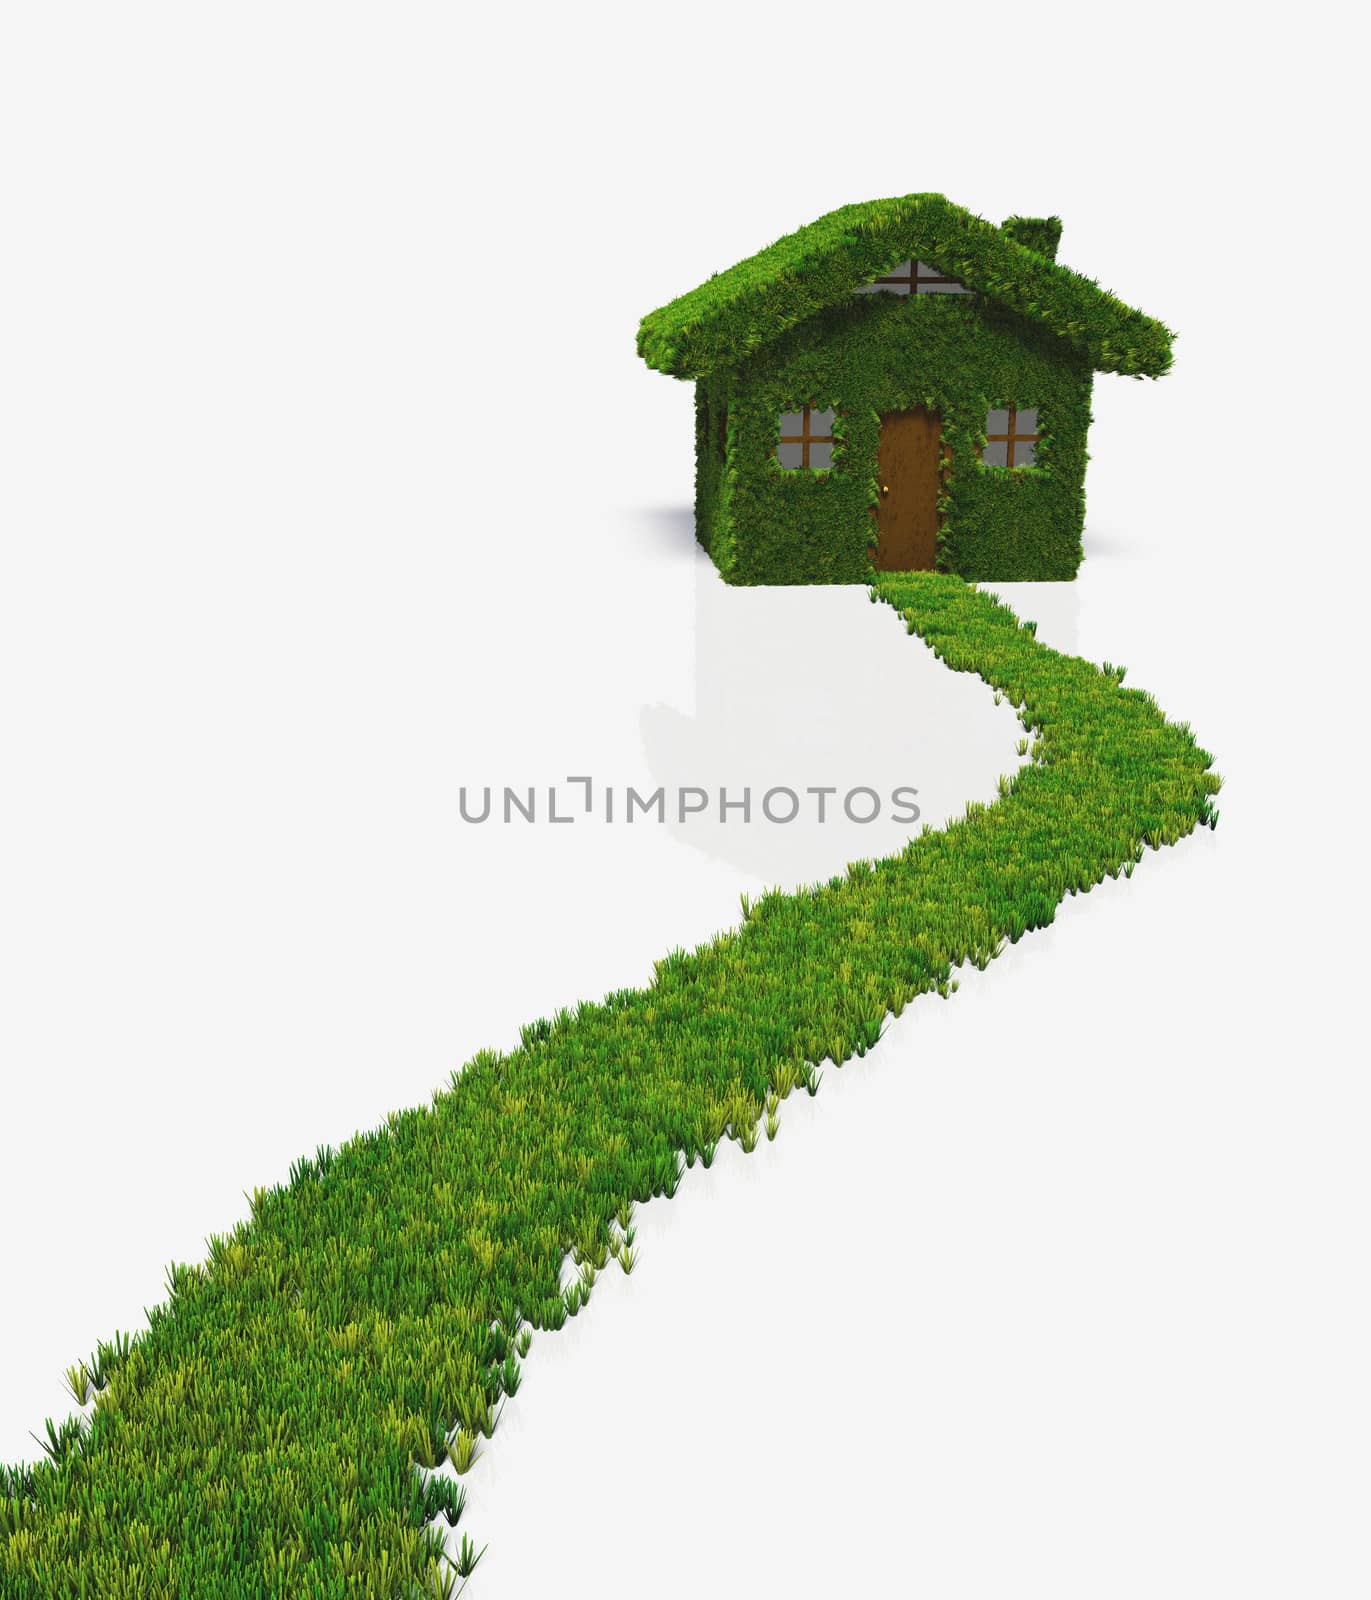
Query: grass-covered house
x=899, y=385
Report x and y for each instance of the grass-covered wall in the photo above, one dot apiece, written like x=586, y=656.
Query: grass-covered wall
x=711, y=455
x=956, y=354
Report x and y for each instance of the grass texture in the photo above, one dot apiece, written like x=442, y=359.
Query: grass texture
x=956, y=354
x=724, y=320
x=263, y=1435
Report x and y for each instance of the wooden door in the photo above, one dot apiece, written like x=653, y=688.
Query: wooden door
x=909, y=468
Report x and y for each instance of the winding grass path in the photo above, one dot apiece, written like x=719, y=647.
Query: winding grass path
x=260, y=1438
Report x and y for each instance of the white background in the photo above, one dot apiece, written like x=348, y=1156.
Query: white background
x=330, y=481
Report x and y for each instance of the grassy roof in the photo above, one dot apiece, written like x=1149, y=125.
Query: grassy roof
x=734, y=313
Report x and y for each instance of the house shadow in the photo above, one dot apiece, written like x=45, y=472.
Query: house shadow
x=803, y=688
x=670, y=527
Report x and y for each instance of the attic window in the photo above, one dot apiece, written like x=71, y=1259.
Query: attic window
x=806, y=438
x=1011, y=437
x=913, y=277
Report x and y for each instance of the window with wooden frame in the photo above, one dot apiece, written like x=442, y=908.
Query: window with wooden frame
x=806, y=440
x=1011, y=437
x=913, y=277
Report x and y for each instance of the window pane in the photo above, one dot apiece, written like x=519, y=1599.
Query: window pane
x=899, y=270
x=821, y=422
x=789, y=455
x=1026, y=421
x=996, y=453
x=1025, y=454
x=997, y=421
x=791, y=422
x=928, y=271
x=821, y=454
